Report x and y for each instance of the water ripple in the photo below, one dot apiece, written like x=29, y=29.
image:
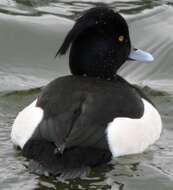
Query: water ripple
x=71, y=8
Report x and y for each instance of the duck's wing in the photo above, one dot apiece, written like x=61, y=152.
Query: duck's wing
x=75, y=120
x=71, y=134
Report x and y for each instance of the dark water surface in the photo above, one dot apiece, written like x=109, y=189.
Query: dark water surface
x=30, y=33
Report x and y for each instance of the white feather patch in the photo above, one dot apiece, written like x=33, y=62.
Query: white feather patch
x=25, y=124
x=131, y=136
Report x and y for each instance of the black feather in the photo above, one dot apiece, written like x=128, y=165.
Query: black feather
x=92, y=17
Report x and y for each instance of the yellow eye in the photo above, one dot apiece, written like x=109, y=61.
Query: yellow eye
x=121, y=38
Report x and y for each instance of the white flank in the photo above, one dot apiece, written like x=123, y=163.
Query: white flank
x=25, y=124
x=131, y=136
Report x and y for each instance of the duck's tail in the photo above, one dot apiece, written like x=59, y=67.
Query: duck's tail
x=73, y=163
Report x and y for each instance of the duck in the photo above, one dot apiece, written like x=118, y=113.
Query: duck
x=93, y=115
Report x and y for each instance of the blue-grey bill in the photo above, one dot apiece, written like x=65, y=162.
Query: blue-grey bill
x=139, y=55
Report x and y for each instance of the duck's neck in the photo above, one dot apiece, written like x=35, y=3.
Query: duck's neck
x=94, y=56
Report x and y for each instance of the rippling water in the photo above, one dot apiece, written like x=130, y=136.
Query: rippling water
x=31, y=32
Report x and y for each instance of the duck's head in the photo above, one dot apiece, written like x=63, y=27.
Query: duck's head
x=100, y=44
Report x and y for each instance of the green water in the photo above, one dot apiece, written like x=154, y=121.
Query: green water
x=30, y=33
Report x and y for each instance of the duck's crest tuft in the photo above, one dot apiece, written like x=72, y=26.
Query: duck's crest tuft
x=91, y=18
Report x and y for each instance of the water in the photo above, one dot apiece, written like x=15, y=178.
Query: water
x=30, y=33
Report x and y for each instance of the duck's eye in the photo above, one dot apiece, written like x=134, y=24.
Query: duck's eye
x=121, y=38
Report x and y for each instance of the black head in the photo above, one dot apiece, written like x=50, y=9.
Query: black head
x=100, y=43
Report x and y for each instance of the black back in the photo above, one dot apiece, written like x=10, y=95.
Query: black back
x=77, y=110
